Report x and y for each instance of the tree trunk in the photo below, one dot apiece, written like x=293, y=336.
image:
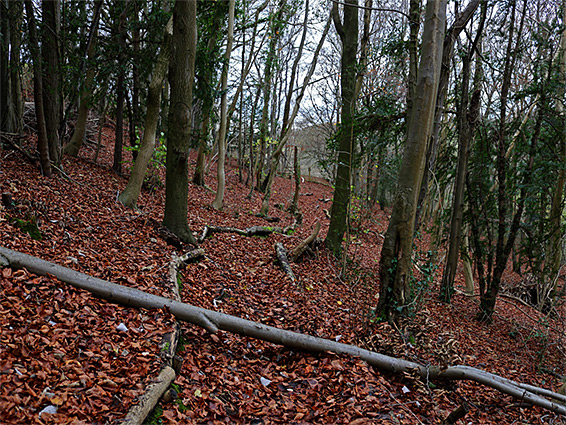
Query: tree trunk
x=72, y=148
x=11, y=100
x=5, y=35
x=120, y=92
x=348, y=32
x=505, y=240
x=181, y=76
x=447, y=52
x=396, y=255
x=264, y=134
x=467, y=119
x=129, y=197
x=221, y=176
x=51, y=77
x=294, y=208
x=214, y=321
x=206, y=67
x=42, y=144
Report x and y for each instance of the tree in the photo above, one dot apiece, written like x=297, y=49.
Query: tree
x=181, y=76
x=348, y=32
x=51, y=76
x=73, y=146
x=288, y=117
x=120, y=90
x=209, y=20
x=221, y=178
x=129, y=196
x=42, y=143
x=11, y=99
x=557, y=207
x=395, y=267
x=467, y=118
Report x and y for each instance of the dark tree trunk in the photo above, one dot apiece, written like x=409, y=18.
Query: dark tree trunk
x=181, y=76
x=42, y=145
x=51, y=77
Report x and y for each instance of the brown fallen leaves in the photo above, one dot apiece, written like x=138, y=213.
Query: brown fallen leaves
x=61, y=347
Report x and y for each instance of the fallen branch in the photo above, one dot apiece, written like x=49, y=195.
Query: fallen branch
x=300, y=248
x=155, y=390
x=250, y=231
x=281, y=253
x=213, y=321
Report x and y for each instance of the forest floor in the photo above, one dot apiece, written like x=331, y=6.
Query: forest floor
x=63, y=350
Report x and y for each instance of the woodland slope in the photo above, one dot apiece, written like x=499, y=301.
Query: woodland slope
x=90, y=359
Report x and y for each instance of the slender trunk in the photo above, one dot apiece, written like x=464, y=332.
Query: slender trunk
x=504, y=240
x=348, y=32
x=276, y=26
x=42, y=144
x=129, y=197
x=557, y=206
x=72, y=148
x=294, y=208
x=467, y=119
x=452, y=35
x=285, y=131
x=221, y=177
x=120, y=92
x=51, y=77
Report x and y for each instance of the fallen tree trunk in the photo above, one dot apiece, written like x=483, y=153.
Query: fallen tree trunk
x=281, y=253
x=213, y=321
x=300, y=248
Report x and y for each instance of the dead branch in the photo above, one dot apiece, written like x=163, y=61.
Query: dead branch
x=250, y=231
x=281, y=253
x=213, y=321
x=300, y=248
x=457, y=414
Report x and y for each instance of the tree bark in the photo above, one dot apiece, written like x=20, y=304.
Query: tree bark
x=42, y=143
x=181, y=76
x=396, y=255
x=348, y=32
x=214, y=321
x=51, y=77
x=129, y=196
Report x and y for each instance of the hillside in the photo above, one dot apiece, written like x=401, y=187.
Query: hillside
x=62, y=347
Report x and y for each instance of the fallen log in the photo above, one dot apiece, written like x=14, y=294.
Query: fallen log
x=213, y=321
x=281, y=253
x=300, y=248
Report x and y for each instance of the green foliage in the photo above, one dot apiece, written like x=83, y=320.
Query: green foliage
x=29, y=226
x=154, y=418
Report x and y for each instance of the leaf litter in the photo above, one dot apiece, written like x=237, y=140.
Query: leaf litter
x=68, y=357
